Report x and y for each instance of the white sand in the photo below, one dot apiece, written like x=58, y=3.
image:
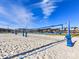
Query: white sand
x=11, y=44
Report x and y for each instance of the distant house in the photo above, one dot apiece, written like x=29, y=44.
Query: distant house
x=46, y=30
x=74, y=30
x=4, y=30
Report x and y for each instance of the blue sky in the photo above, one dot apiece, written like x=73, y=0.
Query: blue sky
x=38, y=13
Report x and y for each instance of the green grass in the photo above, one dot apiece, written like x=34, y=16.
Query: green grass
x=64, y=34
x=73, y=35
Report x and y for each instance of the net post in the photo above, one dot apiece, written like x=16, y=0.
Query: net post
x=68, y=36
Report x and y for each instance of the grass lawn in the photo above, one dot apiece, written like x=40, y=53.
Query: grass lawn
x=73, y=35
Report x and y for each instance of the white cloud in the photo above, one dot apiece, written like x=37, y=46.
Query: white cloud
x=17, y=14
x=23, y=16
x=2, y=11
x=48, y=6
x=4, y=24
x=45, y=1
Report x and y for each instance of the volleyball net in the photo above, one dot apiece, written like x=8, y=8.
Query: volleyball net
x=53, y=29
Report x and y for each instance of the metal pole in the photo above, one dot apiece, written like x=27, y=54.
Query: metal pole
x=68, y=27
x=23, y=32
x=26, y=31
x=15, y=32
x=62, y=29
x=68, y=36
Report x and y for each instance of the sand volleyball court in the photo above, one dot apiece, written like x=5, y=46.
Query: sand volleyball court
x=36, y=46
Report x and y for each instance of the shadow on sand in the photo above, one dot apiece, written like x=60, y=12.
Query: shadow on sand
x=39, y=49
x=74, y=43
